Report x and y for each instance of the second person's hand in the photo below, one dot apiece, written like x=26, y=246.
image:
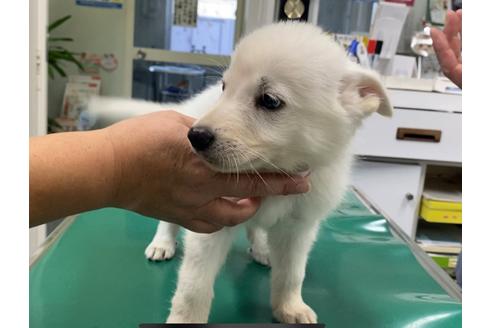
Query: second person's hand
x=447, y=45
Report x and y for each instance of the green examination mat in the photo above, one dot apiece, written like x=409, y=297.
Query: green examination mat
x=358, y=275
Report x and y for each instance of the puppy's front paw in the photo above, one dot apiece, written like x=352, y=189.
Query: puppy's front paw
x=159, y=250
x=297, y=312
x=173, y=318
x=260, y=255
x=187, y=314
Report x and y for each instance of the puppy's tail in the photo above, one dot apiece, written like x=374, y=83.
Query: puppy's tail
x=104, y=111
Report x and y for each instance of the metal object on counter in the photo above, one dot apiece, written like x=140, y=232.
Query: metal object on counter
x=421, y=45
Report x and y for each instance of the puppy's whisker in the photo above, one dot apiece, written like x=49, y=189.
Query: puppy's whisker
x=230, y=165
x=237, y=168
x=229, y=175
x=259, y=175
x=222, y=163
x=254, y=170
x=261, y=157
x=235, y=160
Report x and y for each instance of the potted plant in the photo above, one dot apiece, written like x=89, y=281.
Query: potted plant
x=57, y=55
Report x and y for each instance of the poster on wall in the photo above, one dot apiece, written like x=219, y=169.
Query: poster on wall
x=112, y=4
x=185, y=12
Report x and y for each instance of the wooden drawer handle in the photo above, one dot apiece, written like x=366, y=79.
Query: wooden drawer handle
x=418, y=135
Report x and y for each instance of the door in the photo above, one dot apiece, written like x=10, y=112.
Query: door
x=393, y=188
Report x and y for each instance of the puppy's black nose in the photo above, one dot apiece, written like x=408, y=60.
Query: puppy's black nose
x=201, y=138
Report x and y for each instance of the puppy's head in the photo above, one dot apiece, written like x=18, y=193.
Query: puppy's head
x=291, y=100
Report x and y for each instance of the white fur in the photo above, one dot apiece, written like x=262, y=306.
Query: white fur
x=326, y=97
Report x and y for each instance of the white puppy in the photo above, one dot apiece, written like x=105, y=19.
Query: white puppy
x=290, y=101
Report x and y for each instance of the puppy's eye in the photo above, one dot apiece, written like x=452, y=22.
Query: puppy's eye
x=269, y=102
x=223, y=85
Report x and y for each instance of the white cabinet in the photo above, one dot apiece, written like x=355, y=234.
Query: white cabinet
x=394, y=153
x=394, y=188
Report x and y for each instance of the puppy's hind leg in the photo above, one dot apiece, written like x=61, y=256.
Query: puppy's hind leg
x=259, y=245
x=204, y=255
x=163, y=245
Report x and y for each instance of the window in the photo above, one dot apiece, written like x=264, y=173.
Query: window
x=212, y=34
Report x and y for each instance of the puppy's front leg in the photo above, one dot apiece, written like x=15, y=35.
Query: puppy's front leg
x=163, y=245
x=204, y=255
x=290, y=242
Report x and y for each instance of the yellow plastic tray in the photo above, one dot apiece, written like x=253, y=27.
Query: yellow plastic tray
x=440, y=212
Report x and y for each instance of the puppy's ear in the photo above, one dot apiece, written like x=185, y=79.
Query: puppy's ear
x=362, y=93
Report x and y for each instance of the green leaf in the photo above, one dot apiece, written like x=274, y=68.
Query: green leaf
x=50, y=72
x=58, y=69
x=71, y=58
x=57, y=54
x=58, y=22
x=53, y=122
x=67, y=56
x=60, y=39
x=54, y=48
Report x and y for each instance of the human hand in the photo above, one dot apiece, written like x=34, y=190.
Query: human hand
x=158, y=175
x=447, y=44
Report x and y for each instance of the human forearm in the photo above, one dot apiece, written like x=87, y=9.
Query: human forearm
x=146, y=165
x=69, y=173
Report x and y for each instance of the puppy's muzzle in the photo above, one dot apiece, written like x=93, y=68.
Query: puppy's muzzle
x=201, y=138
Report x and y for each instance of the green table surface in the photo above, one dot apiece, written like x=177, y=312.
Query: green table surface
x=358, y=275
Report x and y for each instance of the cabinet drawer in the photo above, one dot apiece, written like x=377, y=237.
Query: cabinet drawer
x=425, y=100
x=411, y=134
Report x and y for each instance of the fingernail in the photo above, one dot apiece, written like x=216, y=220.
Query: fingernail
x=299, y=178
x=302, y=187
x=305, y=173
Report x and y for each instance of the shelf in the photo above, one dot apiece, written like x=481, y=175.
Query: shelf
x=441, y=205
x=439, y=238
x=445, y=261
x=442, y=198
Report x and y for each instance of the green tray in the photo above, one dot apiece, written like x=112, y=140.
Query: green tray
x=359, y=275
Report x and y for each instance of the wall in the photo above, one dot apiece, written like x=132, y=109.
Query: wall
x=37, y=90
x=95, y=30
x=412, y=24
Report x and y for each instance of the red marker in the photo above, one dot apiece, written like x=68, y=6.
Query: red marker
x=371, y=50
x=371, y=47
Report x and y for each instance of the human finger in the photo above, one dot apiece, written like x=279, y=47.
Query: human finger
x=266, y=184
x=201, y=226
x=227, y=212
